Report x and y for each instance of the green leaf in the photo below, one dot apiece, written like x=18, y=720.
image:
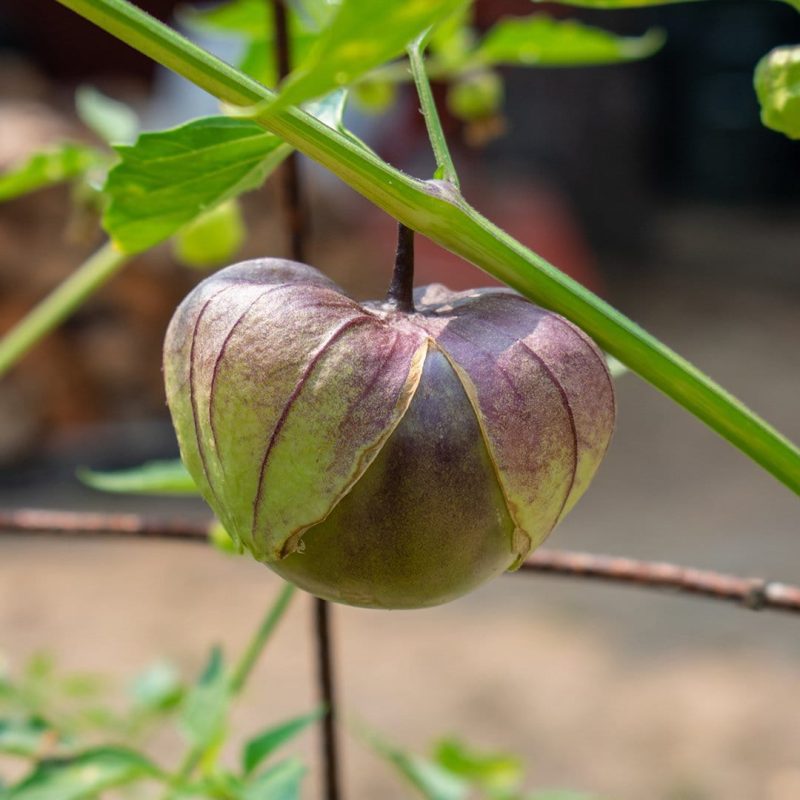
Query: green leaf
x=83, y=776
x=168, y=178
x=251, y=18
x=206, y=706
x=431, y=780
x=260, y=747
x=777, y=82
x=47, y=167
x=253, y=21
x=281, y=782
x=490, y=771
x=213, y=239
x=158, y=688
x=539, y=40
x=111, y=120
x=26, y=737
x=362, y=35
x=154, y=477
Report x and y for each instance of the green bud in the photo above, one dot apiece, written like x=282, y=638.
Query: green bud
x=777, y=82
x=376, y=457
x=212, y=239
x=477, y=95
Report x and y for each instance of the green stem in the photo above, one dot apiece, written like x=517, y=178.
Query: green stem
x=445, y=168
x=259, y=641
x=447, y=219
x=59, y=304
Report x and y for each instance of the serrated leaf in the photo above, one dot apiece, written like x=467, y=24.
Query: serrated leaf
x=168, y=178
x=113, y=121
x=26, y=737
x=212, y=239
x=154, y=477
x=83, y=776
x=361, y=36
x=281, y=782
x=491, y=771
x=262, y=746
x=540, y=40
x=206, y=705
x=46, y=168
x=777, y=83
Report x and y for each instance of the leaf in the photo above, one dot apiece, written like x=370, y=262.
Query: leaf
x=281, y=782
x=490, y=771
x=111, y=120
x=362, y=35
x=153, y=477
x=253, y=21
x=260, y=747
x=431, y=780
x=777, y=83
x=26, y=737
x=539, y=40
x=206, y=705
x=46, y=168
x=83, y=776
x=168, y=178
x=212, y=239
x=158, y=688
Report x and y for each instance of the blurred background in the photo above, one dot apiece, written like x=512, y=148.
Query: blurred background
x=654, y=184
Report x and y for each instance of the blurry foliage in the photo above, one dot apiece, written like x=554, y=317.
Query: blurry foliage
x=79, y=740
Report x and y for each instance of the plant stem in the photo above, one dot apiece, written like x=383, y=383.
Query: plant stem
x=250, y=656
x=327, y=693
x=401, y=289
x=59, y=304
x=445, y=169
x=238, y=678
x=447, y=219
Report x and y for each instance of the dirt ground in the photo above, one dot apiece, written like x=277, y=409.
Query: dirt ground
x=623, y=693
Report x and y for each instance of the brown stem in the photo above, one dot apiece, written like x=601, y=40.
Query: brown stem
x=401, y=289
x=754, y=593
x=295, y=217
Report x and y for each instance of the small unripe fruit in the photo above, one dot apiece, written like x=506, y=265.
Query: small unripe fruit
x=376, y=457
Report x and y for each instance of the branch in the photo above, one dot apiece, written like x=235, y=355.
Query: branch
x=438, y=211
x=756, y=594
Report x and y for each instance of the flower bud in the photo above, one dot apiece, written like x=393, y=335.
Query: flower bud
x=375, y=457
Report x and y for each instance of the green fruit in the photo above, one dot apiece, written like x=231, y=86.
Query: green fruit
x=376, y=457
x=777, y=82
x=477, y=95
x=211, y=239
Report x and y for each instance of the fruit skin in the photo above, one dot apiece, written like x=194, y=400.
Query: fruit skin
x=379, y=458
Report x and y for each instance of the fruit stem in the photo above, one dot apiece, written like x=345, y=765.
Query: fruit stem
x=401, y=290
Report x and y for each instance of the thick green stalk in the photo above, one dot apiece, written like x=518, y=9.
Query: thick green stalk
x=59, y=304
x=439, y=212
x=445, y=168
